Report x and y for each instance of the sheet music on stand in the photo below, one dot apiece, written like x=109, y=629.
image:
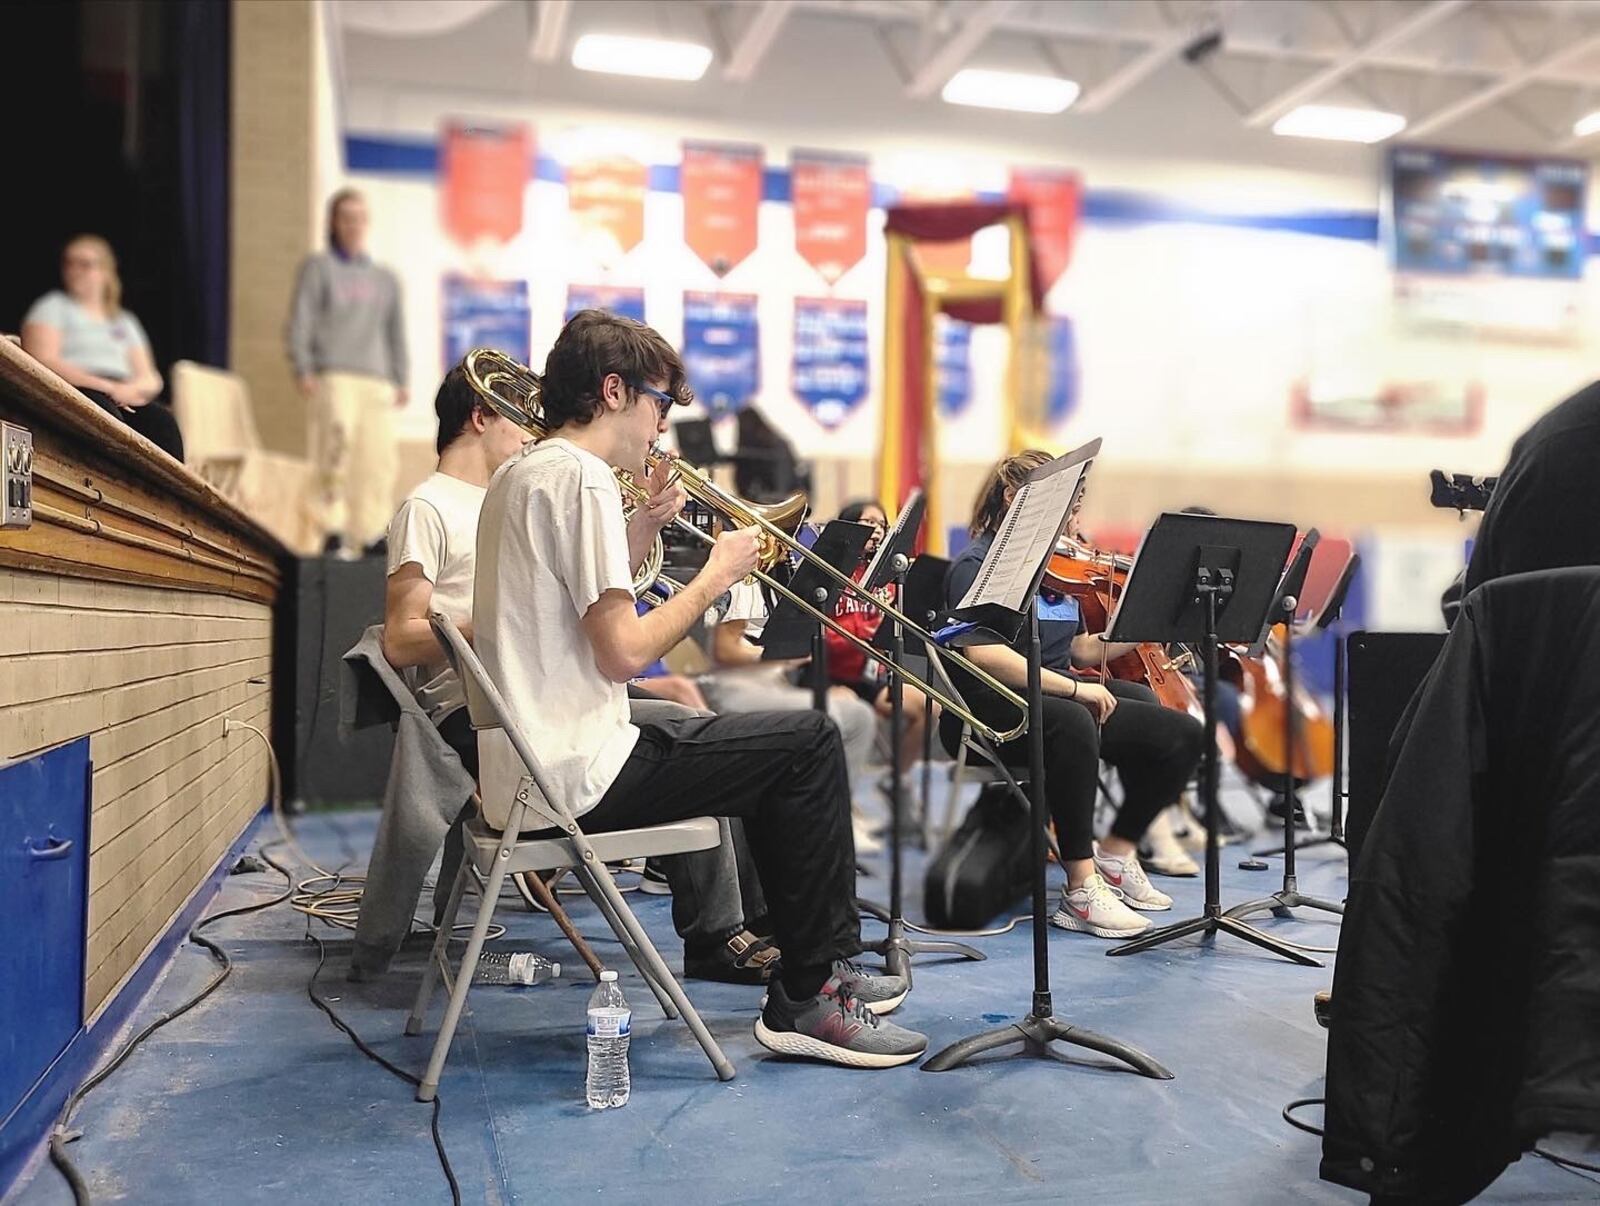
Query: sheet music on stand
x=1010, y=574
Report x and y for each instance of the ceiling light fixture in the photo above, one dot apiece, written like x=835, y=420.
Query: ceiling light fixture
x=1014, y=90
x=653, y=58
x=1339, y=123
x=1586, y=126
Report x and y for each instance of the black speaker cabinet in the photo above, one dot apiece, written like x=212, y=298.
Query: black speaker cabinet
x=1384, y=670
x=327, y=604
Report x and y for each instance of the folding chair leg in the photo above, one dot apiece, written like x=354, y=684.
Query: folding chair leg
x=439, y=953
x=464, y=974
x=654, y=969
x=593, y=885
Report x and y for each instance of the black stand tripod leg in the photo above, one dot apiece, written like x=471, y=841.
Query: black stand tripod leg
x=1036, y=1035
x=1249, y=933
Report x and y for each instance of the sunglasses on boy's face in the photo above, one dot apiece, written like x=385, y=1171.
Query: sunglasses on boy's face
x=664, y=401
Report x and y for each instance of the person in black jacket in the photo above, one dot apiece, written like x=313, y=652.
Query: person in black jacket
x=1468, y=985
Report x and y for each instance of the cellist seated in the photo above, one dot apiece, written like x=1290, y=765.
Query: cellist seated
x=1154, y=749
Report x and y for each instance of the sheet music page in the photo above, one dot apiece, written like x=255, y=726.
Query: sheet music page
x=1025, y=539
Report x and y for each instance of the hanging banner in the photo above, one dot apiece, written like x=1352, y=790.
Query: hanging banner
x=722, y=349
x=1061, y=386
x=479, y=314
x=830, y=357
x=721, y=197
x=606, y=199
x=952, y=364
x=830, y=194
x=625, y=303
x=483, y=171
x=1054, y=198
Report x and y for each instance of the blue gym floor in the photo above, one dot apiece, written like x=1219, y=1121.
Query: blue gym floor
x=254, y=1097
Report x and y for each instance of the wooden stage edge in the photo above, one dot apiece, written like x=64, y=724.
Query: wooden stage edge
x=111, y=506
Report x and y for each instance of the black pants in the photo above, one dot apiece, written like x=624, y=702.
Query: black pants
x=456, y=729
x=1154, y=748
x=783, y=773
x=153, y=421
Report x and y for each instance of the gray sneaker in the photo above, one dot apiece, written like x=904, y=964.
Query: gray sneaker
x=835, y=1027
x=881, y=994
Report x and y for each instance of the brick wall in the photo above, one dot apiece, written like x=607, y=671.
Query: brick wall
x=274, y=178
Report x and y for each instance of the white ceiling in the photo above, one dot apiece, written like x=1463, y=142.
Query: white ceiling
x=1504, y=74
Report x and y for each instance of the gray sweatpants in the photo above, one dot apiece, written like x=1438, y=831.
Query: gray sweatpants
x=764, y=689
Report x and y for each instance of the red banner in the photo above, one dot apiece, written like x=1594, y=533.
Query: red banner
x=606, y=197
x=484, y=170
x=1054, y=197
x=830, y=194
x=721, y=197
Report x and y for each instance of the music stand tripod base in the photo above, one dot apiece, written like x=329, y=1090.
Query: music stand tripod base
x=1036, y=1033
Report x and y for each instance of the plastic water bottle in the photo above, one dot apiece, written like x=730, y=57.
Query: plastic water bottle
x=515, y=967
x=610, y=1021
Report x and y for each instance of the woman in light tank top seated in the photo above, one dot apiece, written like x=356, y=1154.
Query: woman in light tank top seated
x=82, y=333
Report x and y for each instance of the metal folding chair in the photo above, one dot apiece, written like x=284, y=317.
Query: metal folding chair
x=494, y=855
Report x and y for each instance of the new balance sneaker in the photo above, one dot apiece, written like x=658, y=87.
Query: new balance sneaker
x=881, y=994
x=1096, y=909
x=653, y=880
x=1128, y=877
x=835, y=1027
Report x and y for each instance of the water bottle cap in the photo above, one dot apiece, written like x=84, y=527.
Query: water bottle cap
x=608, y=977
x=555, y=971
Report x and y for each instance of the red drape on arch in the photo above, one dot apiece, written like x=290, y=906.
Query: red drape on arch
x=908, y=440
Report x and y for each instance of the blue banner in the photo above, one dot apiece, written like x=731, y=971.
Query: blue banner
x=952, y=364
x=722, y=349
x=479, y=314
x=1061, y=392
x=625, y=303
x=830, y=357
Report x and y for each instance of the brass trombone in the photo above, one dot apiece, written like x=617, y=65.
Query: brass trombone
x=512, y=390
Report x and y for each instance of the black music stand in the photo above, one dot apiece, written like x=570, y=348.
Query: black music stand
x=1203, y=579
x=1287, y=605
x=1330, y=615
x=1007, y=585
x=793, y=633
x=891, y=564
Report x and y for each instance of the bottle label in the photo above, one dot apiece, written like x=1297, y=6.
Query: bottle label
x=610, y=1025
x=523, y=967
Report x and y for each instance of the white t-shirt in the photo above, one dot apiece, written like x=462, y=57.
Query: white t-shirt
x=551, y=541
x=436, y=528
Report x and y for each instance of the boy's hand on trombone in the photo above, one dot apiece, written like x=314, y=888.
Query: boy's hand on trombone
x=735, y=556
x=665, y=497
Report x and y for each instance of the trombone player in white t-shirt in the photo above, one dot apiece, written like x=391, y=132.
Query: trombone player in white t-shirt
x=555, y=625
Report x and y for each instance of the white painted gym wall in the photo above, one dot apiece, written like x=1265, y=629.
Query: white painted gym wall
x=1190, y=335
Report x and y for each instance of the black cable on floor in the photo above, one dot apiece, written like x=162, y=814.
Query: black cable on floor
x=61, y=1136
x=343, y=1026
x=1298, y=1104
x=1575, y=1167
